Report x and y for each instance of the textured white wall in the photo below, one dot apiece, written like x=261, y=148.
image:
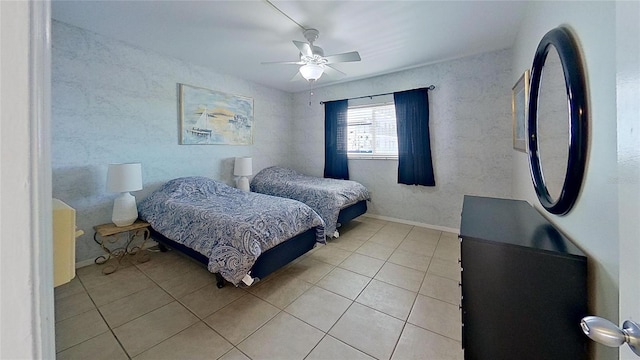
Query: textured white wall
x=116, y=103
x=592, y=224
x=470, y=124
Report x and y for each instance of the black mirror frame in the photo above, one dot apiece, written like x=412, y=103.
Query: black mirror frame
x=572, y=67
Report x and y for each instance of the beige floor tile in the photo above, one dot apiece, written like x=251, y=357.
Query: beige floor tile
x=367, y=224
x=117, y=290
x=417, y=343
x=234, y=354
x=210, y=299
x=283, y=337
x=396, y=229
x=319, y=307
x=280, y=291
x=92, y=276
x=315, y=248
x=344, y=282
x=419, y=246
x=196, y=342
x=188, y=282
x=128, y=299
x=437, y=316
x=247, y=314
x=375, y=250
x=368, y=330
x=308, y=269
x=102, y=347
x=72, y=305
x=348, y=243
x=330, y=255
x=449, y=236
x=79, y=328
x=121, y=311
x=71, y=288
x=388, y=299
x=331, y=348
x=421, y=233
x=373, y=221
x=441, y=288
x=157, y=258
x=448, y=249
x=388, y=239
x=161, y=271
x=401, y=276
x=410, y=259
x=149, y=330
x=363, y=232
x=362, y=264
x=359, y=223
x=447, y=269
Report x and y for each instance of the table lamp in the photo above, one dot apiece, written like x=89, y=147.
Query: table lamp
x=242, y=168
x=123, y=178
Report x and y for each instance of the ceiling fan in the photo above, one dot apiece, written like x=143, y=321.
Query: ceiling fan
x=313, y=61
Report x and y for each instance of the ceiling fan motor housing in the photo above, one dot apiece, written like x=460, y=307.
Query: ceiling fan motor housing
x=311, y=35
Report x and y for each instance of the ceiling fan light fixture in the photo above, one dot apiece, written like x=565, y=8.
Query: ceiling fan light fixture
x=311, y=72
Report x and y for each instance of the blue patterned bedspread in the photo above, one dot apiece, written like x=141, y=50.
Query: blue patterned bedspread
x=231, y=227
x=326, y=196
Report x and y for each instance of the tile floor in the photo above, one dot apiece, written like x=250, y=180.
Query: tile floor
x=382, y=290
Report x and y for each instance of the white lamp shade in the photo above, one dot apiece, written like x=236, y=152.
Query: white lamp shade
x=124, y=177
x=311, y=72
x=243, y=166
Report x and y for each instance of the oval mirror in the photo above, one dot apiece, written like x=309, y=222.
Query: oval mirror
x=557, y=121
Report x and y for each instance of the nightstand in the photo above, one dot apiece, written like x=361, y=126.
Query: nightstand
x=108, y=236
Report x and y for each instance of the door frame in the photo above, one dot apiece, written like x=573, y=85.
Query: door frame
x=628, y=179
x=28, y=316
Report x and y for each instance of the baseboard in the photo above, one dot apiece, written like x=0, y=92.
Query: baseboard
x=83, y=263
x=414, y=223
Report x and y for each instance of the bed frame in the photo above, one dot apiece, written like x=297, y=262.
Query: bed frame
x=270, y=261
x=351, y=212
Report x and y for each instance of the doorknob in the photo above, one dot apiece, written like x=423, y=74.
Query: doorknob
x=607, y=333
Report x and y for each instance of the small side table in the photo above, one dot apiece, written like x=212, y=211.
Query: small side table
x=112, y=234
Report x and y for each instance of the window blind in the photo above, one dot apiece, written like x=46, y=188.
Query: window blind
x=371, y=131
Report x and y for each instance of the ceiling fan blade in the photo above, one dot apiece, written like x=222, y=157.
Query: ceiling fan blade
x=346, y=57
x=283, y=62
x=304, y=48
x=333, y=72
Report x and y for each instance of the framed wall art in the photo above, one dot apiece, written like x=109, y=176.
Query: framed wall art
x=519, y=109
x=209, y=117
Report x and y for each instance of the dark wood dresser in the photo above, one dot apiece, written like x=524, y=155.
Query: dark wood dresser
x=524, y=285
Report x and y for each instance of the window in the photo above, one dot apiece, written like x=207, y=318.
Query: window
x=371, y=131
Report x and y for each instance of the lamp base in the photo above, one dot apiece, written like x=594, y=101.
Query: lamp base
x=243, y=183
x=125, y=210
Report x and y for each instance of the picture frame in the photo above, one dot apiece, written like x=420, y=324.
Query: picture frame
x=520, y=109
x=210, y=117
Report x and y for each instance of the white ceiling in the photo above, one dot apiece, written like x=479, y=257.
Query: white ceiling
x=234, y=37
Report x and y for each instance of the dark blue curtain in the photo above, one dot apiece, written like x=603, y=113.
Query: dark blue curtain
x=414, y=148
x=335, y=140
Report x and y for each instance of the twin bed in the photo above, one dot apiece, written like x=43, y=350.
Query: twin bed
x=336, y=201
x=240, y=236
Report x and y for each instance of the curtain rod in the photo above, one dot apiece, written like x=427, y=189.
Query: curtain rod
x=430, y=87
